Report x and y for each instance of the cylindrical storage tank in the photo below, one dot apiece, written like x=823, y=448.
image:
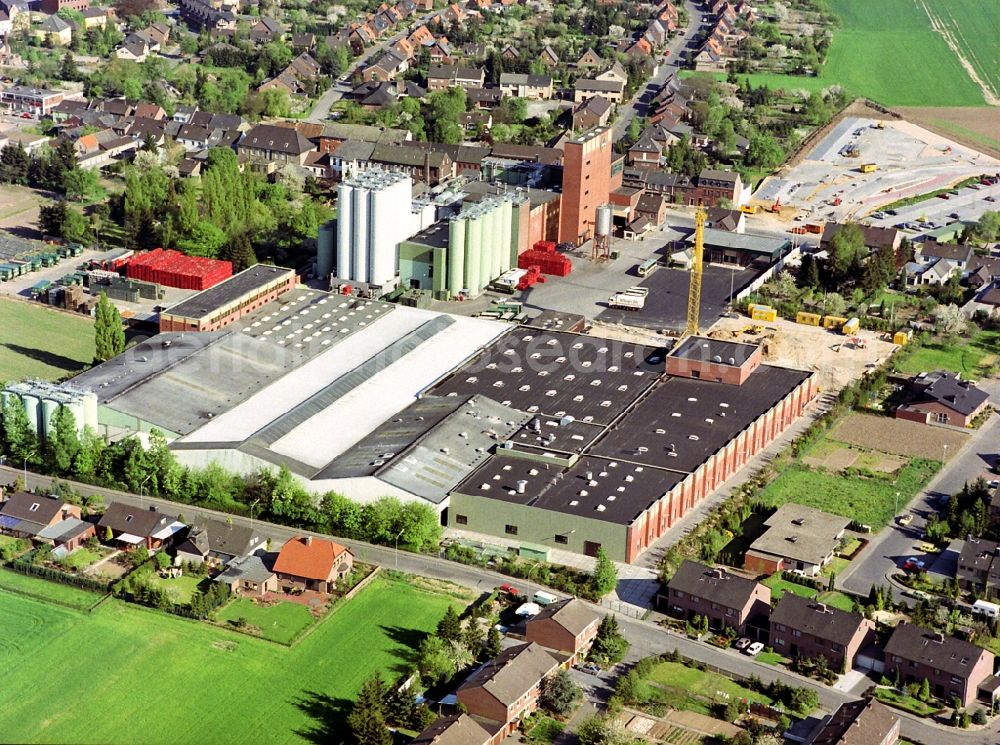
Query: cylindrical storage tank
x=388, y=216
x=90, y=410
x=506, y=219
x=32, y=409
x=476, y=240
x=472, y=248
x=359, y=240
x=603, y=227
x=456, y=257
x=325, y=250
x=496, y=240
x=345, y=205
x=76, y=409
x=49, y=409
x=486, y=266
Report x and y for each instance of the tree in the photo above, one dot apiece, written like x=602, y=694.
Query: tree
x=560, y=694
x=809, y=272
x=63, y=445
x=834, y=304
x=19, y=436
x=108, y=332
x=434, y=661
x=764, y=151
x=205, y=240
x=14, y=164
x=68, y=69
x=79, y=182
x=846, y=250
x=51, y=218
x=609, y=644
x=925, y=690
x=472, y=637
x=494, y=642
x=879, y=270
x=366, y=721
x=449, y=628
x=949, y=320
x=605, y=576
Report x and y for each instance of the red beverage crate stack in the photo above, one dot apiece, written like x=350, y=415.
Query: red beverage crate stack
x=174, y=269
x=546, y=258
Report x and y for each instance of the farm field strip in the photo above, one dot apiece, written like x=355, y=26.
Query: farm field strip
x=39, y=342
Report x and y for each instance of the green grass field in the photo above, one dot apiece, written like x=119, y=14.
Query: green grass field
x=198, y=684
x=892, y=55
x=870, y=501
x=80, y=559
x=39, y=342
x=281, y=623
x=693, y=690
x=23, y=584
x=780, y=586
x=959, y=355
x=179, y=589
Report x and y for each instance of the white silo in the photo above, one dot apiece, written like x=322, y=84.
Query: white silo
x=360, y=231
x=603, y=223
x=496, y=236
x=456, y=256
x=506, y=218
x=90, y=410
x=33, y=410
x=75, y=407
x=345, y=206
x=473, y=251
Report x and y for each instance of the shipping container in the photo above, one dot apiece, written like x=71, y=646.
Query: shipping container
x=833, y=322
x=808, y=319
x=760, y=312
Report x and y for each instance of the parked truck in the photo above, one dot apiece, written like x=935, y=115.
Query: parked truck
x=633, y=298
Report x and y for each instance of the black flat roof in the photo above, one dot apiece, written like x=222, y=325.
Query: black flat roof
x=703, y=349
x=615, y=491
x=559, y=374
x=435, y=236
x=693, y=419
x=208, y=301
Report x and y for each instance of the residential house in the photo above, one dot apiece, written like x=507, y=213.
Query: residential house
x=874, y=237
x=303, y=42
x=979, y=567
x=97, y=17
x=133, y=49
x=567, y=626
x=995, y=507
x=453, y=76
x=644, y=152
x=203, y=15
x=615, y=72
x=461, y=729
x=269, y=144
x=612, y=90
x=726, y=599
x=510, y=53
x=548, y=57
x=714, y=185
x=385, y=68
x=66, y=536
x=639, y=48
x=248, y=576
x=720, y=218
x=942, y=398
x=311, y=563
x=861, y=722
x=533, y=87
x=156, y=35
x=803, y=628
x=266, y=30
x=428, y=167
x=589, y=58
x=594, y=112
x=506, y=689
x=335, y=134
x=798, y=539
x=472, y=121
x=133, y=526
x=935, y=263
x=54, y=6
x=54, y=30
x=653, y=207
x=25, y=515
x=954, y=668
x=218, y=542
x=439, y=51
x=484, y=98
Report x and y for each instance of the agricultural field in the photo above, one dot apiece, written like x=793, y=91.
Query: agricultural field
x=210, y=685
x=39, y=342
x=895, y=57
x=971, y=358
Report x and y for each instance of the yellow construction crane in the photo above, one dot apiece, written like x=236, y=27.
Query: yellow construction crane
x=697, y=266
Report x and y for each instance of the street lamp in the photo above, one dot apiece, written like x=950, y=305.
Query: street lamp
x=397, y=547
x=142, y=486
x=255, y=503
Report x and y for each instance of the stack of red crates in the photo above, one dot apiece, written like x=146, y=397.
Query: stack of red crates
x=174, y=269
x=546, y=258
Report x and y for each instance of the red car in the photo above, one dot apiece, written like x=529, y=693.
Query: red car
x=25, y=115
x=508, y=590
x=944, y=196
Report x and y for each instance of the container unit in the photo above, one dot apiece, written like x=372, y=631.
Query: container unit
x=833, y=322
x=344, y=206
x=851, y=327
x=902, y=337
x=807, y=319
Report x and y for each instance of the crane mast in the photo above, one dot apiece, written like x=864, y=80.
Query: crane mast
x=697, y=266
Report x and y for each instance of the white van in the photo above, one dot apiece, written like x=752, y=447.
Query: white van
x=544, y=598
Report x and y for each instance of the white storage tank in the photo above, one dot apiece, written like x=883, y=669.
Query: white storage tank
x=344, y=216
x=359, y=252
x=456, y=256
x=603, y=226
x=33, y=410
x=49, y=408
x=90, y=410
x=75, y=407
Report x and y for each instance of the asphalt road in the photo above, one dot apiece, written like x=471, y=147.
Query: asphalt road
x=645, y=638
x=894, y=544
x=667, y=67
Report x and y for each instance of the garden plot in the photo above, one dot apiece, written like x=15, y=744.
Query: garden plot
x=897, y=436
x=835, y=456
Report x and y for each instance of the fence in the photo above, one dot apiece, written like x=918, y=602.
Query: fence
x=626, y=609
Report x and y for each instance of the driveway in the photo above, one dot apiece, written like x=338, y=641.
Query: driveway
x=890, y=547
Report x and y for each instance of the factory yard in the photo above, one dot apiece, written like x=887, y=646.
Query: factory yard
x=909, y=161
x=39, y=342
x=827, y=353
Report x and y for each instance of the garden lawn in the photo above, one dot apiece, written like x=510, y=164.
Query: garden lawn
x=958, y=355
x=56, y=592
x=211, y=685
x=693, y=689
x=80, y=559
x=867, y=500
x=905, y=702
x=281, y=622
x=836, y=600
x=39, y=342
x=179, y=589
x=780, y=586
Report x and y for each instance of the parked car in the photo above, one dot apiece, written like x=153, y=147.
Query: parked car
x=914, y=564
x=742, y=643
x=905, y=520
x=946, y=195
x=928, y=548
x=953, y=215
x=993, y=484
x=754, y=649
x=891, y=212
x=590, y=668
x=509, y=590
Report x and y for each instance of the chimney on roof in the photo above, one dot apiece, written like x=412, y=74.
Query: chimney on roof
x=938, y=637
x=715, y=573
